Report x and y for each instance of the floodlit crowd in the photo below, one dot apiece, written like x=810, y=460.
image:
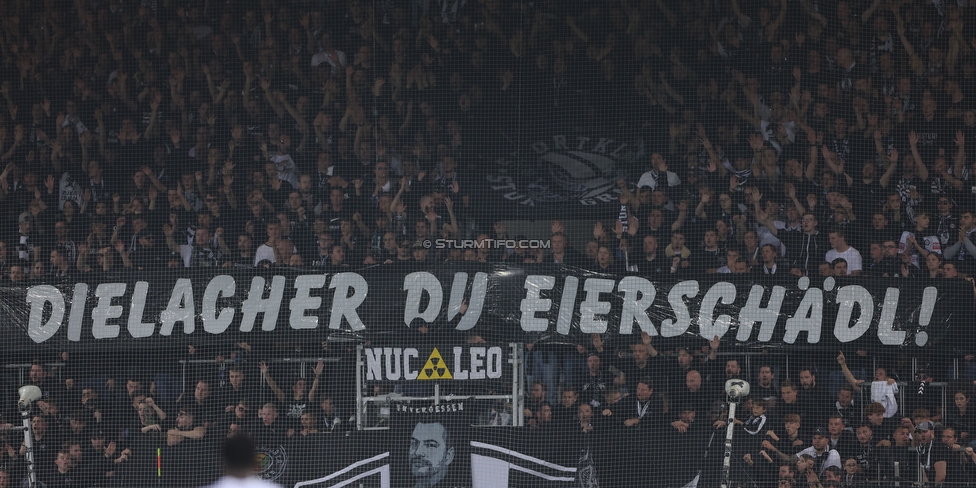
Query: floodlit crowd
x=132, y=431
x=793, y=138
x=637, y=416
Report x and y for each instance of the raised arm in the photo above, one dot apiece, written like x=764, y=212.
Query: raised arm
x=159, y=412
x=832, y=161
x=890, y=171
x=920, y=168
x=774, y=26
x=168, y=231
x=453, y=226
x=743, y=19
x=811, y=172
x=959, y=161
x=767, y=222
x=854, y=382
x=314, y=390
x=280, y=395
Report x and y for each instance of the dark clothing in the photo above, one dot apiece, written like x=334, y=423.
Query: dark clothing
x=962, y=422
x=291, y=412
x=594, y=388
x=562, y=416
x=681, y=452
x=883, y=431
x=805, y=251
x=570, y=258
x=907, y=460
x=698, y=401
x=932, y=453
x=783, y=409
x=816, y=405
x=846, y=445
x=633, y=373
x=228, y=395
x=204, y=412
x=45, y=453
x=653, y=267
x=57, y=479
x=887, y=266
x=591, y=449
x=786, y=445
x=850, y=413
x=96, y=465
x=272, y=435
x=867, y=457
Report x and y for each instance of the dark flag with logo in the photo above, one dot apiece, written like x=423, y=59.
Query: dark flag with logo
x=562, y=174
x=272, y=462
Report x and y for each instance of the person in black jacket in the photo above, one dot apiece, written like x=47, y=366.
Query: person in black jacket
x=685, y=438
x=806, y=248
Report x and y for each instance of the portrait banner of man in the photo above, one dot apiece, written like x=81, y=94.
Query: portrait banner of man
x=430, y=445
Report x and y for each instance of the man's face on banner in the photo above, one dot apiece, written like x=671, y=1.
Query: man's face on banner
x=430, y=454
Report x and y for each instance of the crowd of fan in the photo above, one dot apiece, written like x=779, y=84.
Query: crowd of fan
x=640, y=417
x=142, y=136
x=90, y=432
x=804, y=138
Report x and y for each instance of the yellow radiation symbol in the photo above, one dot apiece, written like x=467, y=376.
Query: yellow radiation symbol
x=435, y=368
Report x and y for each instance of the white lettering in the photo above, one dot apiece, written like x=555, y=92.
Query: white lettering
x=77, y=315
x=888, y=335
x=567, y=304
x=476, y=303
x=180, y=309
x=459, y=372
x=256, y=303
x=494, y=363
x=38, y=297
x=808, y=317
x=374, y=365
x=592, y=306
x=754, y=313
x=344, y=304
x=104, y=310
x=848, y=297
x=219, y=286
x=639, y=295
x=416, y=284
x=532, y=303
x=718, y=293
x=408, y=372
x=392, y=356
x=682, y=318
x=303, y=301
x=136, y=327
x=477, y=362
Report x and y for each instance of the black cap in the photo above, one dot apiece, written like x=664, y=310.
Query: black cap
x=821, y=432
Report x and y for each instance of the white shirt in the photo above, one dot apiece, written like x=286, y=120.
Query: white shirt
x=652, y=177
x=249, y=482
x=833, y=458
x=263, y=252
x=286, y=168
x=887, y=395
x=851, y=255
